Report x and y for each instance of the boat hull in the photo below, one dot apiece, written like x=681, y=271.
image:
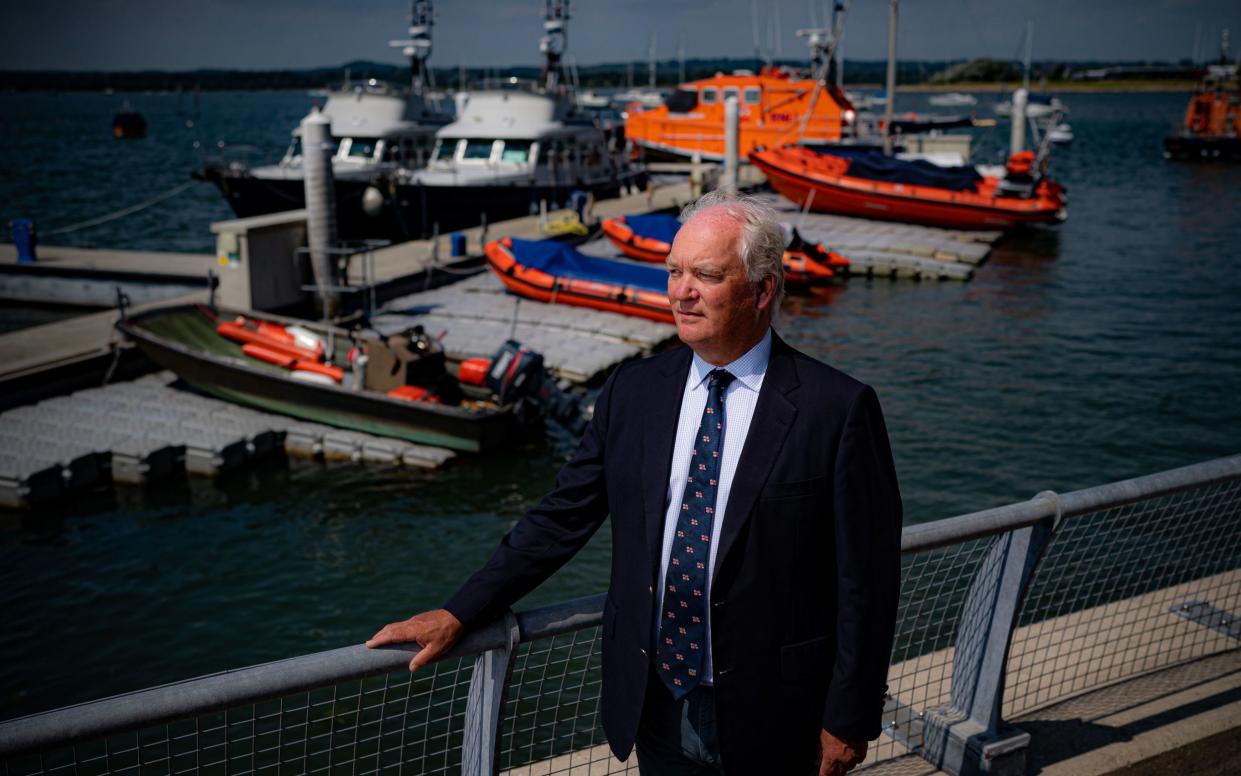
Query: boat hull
x=550, y=289
x=633, y=245
x=410, y=210
x=1199, y=147
x=451, y=208
x=868, y=200
x=249, y=196
x=272, y=391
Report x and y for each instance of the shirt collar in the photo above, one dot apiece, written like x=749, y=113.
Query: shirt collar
x=747, y=369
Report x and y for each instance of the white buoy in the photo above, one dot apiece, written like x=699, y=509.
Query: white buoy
x=1017, y=136
x=372, y=202
x=320, y=191
x=731, y=142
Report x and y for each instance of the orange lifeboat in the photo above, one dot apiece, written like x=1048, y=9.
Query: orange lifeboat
x=1212, y=125
x=649, y=238
x=873, y=186
x=555, y=273
x=771, y=107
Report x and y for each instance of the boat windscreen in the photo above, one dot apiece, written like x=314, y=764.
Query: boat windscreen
x=560, y=260
x=517, y=151
x=682, y=101
x=444, y=149
x=917, y=172
x=655, y=227
x=361, y=149
x=478, y=150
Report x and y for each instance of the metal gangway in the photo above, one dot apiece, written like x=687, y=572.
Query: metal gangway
x=1002, y=612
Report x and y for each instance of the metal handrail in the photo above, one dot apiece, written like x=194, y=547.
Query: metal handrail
x=1048, y=504
x=179, y=700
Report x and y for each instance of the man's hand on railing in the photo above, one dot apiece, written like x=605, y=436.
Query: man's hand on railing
x=435, y=631
x=838, y=756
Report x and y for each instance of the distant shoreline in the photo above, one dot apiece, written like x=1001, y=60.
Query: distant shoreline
x=1084, y=87
x=1051, y=86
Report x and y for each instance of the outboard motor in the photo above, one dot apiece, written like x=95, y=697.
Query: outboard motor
x=517, y=373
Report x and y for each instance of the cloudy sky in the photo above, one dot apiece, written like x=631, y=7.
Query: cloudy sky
x=261, y=34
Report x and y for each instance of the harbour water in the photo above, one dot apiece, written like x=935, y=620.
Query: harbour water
x=1101, y=349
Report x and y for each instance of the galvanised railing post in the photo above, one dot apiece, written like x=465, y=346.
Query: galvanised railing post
x=968, y=736
x=484, y=708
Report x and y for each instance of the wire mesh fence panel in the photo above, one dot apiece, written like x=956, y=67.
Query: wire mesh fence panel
x=387, y=724
x=934, y=585
x=1117, y=592
x=552, y=723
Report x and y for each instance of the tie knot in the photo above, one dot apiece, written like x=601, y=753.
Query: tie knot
x=720, y=378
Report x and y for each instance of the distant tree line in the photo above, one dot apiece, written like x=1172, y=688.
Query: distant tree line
x=593, y=76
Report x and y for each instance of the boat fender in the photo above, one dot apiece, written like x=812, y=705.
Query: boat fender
x=336, y=373
x=270, y=355
x=311, y=377
x=305, y=338
x=245, y=334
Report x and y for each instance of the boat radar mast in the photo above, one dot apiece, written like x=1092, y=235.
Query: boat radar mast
x=418, y=46
x=823, y=43
x=555, y=38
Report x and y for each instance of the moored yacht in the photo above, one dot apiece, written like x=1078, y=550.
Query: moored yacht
x=515, y=145
x=376, y=128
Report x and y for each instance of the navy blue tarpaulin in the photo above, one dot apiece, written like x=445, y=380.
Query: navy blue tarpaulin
x=655, y=227
x=556, y=258
x=917, y=172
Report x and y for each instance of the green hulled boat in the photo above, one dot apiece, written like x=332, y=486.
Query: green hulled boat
x=184, y=339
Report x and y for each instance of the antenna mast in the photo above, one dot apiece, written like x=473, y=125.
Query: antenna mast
x=418, y=46
x=555, y=38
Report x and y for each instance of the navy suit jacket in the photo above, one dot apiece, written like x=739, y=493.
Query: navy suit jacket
x=804, y=595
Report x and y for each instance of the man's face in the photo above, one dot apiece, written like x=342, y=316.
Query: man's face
x=718, y=311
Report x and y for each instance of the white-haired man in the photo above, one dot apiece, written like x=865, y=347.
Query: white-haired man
x=755, y=532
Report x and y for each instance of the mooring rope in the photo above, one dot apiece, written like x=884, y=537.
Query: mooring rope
x=124, y=211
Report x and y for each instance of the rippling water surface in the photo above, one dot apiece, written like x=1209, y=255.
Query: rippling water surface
x=1104, y=348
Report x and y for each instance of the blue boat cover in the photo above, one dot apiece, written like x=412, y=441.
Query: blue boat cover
x=655, y=227
x=561, y=260
x=877, y=167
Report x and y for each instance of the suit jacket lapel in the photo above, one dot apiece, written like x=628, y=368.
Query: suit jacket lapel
x=658, y=438
x=773, y=417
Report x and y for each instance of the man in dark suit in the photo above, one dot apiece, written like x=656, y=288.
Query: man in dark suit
x=755, y=526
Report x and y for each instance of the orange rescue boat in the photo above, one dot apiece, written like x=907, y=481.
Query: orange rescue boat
x=555, y=273
x=874, y=186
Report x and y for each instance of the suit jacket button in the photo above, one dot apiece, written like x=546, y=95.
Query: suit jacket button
x=642, y=650
x=717, y=605
x=651, y=589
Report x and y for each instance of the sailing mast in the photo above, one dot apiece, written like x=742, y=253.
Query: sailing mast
x=889, y=108
x=1025, y=72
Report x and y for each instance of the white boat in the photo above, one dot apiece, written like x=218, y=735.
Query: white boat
x=1061, y=133
x=1038, y=106
x=514, y=146
x=952, y=100
x=592, y=101
x=376, y=128
x=867, y=100
x=647, y=98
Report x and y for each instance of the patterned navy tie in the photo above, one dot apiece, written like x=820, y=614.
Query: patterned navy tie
x=683, y=623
